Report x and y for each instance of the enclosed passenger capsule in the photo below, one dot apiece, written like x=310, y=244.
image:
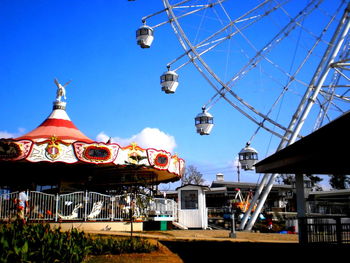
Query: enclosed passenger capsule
x=169, y=81
x=144, y=36
x=248, y=157
x=204, y=122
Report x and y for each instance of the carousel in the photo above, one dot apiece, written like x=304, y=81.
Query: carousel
x=58, y=157
x=57, y=153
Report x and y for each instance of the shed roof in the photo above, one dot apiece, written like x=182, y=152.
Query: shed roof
x=244, y=185
x=321, y=152
x=204, y=187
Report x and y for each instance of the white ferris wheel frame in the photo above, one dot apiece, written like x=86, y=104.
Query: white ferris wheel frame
x=287, y=134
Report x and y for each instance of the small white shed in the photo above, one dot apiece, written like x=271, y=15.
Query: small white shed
x=192, y=210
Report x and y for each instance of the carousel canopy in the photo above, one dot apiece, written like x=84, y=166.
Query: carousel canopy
x=57, y=124
x=58, y=151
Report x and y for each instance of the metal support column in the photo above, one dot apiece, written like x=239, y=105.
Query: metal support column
x=303, y=110
x=301, y=208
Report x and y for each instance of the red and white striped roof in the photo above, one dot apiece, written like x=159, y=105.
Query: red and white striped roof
x=58, y=124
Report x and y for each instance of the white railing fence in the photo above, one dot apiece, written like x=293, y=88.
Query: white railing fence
x=42, y=206
x=163, y=209
x=87, y=206
x=8, y=205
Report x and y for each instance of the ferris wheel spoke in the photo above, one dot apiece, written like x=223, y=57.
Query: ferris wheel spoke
x=259, y=123
x=292, y=78
x=226, y=28
x=179, y=6
x=213, y=43
x=212, y=40
x=161, y=11
x=343, y=63
x=283, y=33
x=342, y=96
x=342, y=74
x=178, y=28
x=239, y=109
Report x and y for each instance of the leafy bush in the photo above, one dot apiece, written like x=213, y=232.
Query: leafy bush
x=38, y=243
x=101, y=246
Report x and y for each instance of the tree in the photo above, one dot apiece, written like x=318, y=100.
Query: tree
x=290, y=178
x=192, y=176
x=339, y=181
x=315, y=180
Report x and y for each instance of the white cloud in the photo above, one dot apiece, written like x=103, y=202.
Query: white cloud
x=102, y=137
x=147, y=138
x=6, y=134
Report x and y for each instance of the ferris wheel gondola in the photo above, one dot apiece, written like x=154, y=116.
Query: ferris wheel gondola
x=204, y=122
x=248, y=157
x=169, y=81
x=144, y=36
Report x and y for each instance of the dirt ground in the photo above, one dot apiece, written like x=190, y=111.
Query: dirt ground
x=224, y=235
x=188, y=238
x=162, y=255
x=218, y=235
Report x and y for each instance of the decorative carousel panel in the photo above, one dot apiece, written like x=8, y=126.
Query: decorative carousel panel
x=11, y=150
x=96, y=152
x=159, y=159
x=52, y=150
x=174, y=166
x=182, y=166
x=132, y=154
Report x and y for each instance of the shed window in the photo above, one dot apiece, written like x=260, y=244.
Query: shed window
x=189, y=199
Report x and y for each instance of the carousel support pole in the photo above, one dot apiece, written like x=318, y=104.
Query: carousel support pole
x=113, y=204
x=27, y=211
x=86, y=204
x=131, y=214
x=56, y=214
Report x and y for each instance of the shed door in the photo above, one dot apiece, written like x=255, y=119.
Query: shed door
x=189, y=213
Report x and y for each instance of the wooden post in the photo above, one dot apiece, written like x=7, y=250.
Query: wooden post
x=300, y=192
x=301, y=208
x=338, y=229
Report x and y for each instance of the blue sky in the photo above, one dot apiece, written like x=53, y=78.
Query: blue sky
x=115, y=87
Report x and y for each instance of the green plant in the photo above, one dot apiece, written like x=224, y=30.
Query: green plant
x=38, y=243
x=101, y=246
x=21, y=242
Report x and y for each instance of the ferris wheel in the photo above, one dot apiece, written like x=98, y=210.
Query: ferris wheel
x=266, y=59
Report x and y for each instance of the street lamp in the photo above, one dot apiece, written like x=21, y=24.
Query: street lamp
x=233, y=227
